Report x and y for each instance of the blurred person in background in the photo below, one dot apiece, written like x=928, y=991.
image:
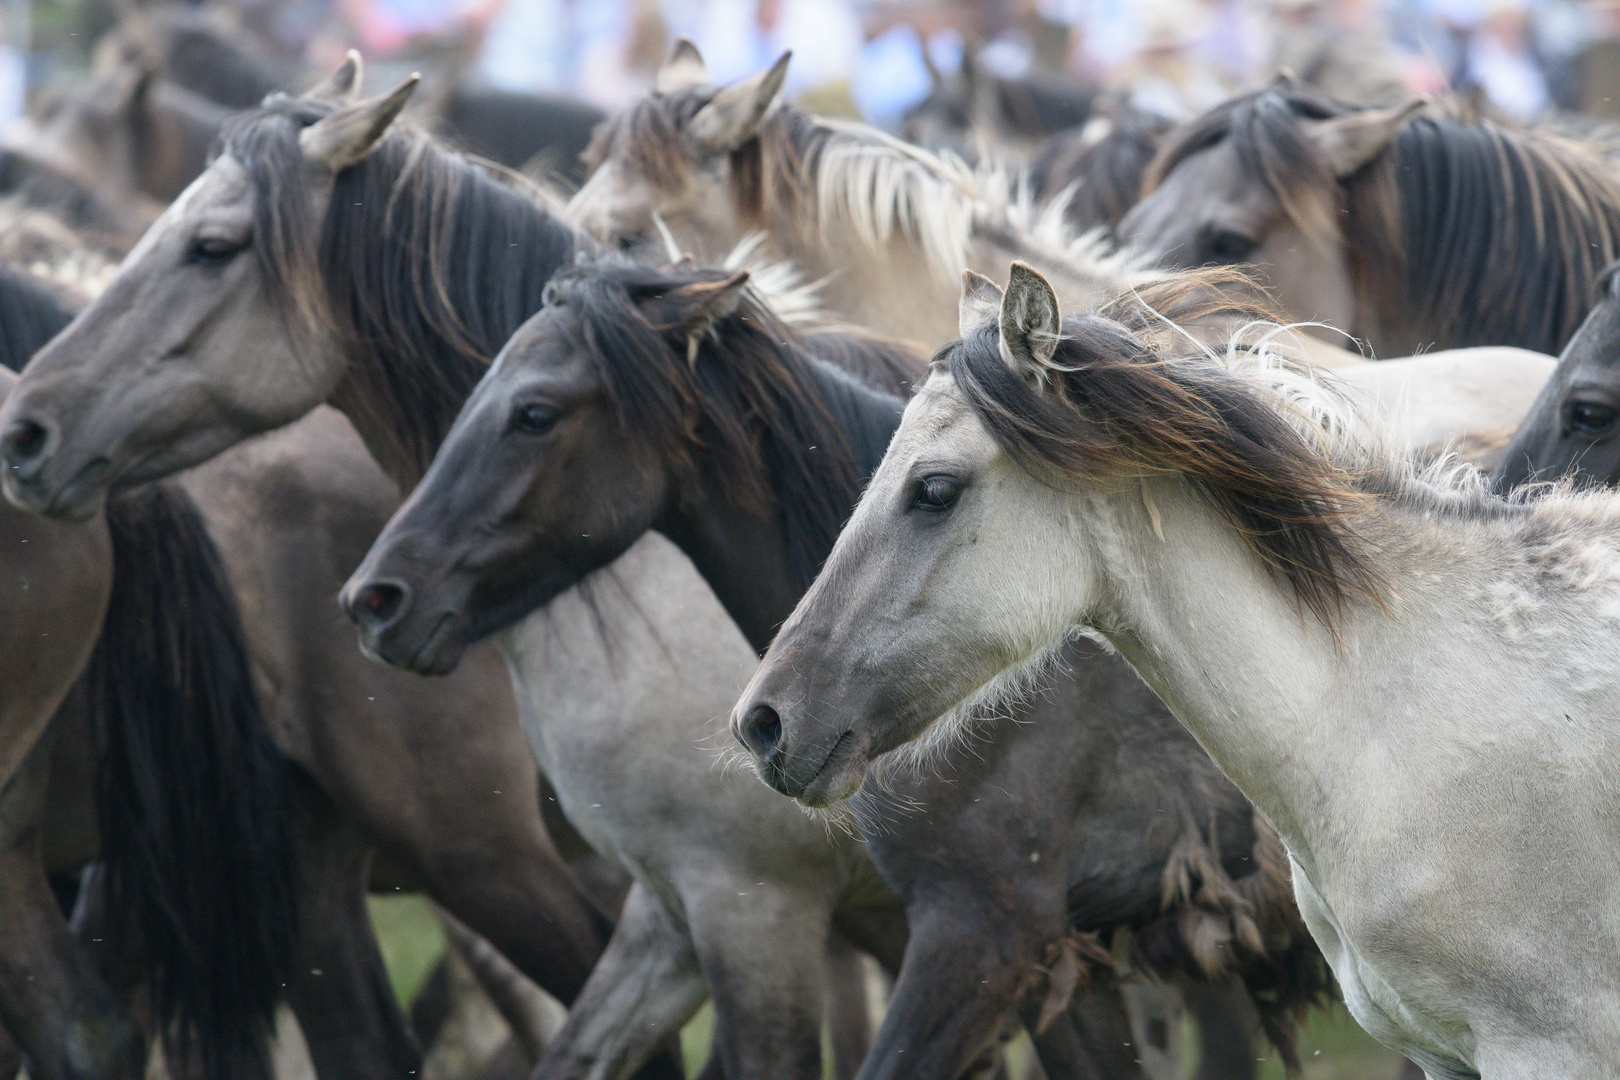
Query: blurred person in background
x=1500, y=60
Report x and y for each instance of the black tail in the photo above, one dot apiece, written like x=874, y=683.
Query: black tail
x=195, y=834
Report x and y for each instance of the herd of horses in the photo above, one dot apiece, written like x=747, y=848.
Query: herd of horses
x=1141, y=653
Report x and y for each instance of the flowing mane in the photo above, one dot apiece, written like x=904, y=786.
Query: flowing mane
x=424, y=266
x=1463, y=233
x=838, y=178
x=775, y=410
x=1274, y=450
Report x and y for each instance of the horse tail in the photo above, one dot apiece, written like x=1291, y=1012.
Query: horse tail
x=200, y=862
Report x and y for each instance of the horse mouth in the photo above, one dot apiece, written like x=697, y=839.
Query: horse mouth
x=432, y=658
x=76, y=500
x=835, y=779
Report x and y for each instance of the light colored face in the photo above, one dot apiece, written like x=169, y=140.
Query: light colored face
x=1212, y=211
x=956, y=567
x=184, y=354
x=686, y=181
x=697, y=203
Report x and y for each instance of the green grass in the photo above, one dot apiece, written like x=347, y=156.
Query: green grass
x=1333, y=1047
x=411, y=938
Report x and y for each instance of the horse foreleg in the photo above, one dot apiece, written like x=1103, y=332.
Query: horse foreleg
x=341, y=994
x=1093, y=1040
x=63, y=1015
x=764, y=958
x=647, y=984
x=961, y=976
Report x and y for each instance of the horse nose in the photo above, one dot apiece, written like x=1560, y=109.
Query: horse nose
x=377, y=605
x=761, y=732
x=26, y=444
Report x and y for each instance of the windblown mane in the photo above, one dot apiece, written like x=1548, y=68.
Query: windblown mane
x=756, y=398
x=1464, y=233
x=424, y=266
x=1271, y=448
x=838, y=178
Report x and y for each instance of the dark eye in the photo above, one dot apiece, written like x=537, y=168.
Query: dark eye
x=212, y=251
x=1226, y=246
x=535, y=419
x=936, y=493
x=1591, y=417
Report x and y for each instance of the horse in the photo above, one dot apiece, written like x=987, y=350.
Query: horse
x=1407, y=230
x=1410, y=678
x=1570, y=428
x=973, y=110
x=675, y=401
x=127, y=621
x=888, y=227
x=1097, y=168
x=341, y=211
x=292, y=514
x=128, y=136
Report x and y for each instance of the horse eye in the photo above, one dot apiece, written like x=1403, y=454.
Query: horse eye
x=1591, y=417
x=937, y=493
x=1230, y=247
x=212, y=251
x=535, y=419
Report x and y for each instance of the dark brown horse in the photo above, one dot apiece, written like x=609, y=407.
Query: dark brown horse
x=198, y=853
x=370, y=769
x=642, y=399
x=1408, y=230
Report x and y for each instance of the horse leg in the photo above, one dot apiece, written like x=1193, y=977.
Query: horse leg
x=962, y=973
x=764, y=958
x=848, y=1011
x=1093, y=1040
x=647, y=984
x=341, y=994
x=1228, y=1027
x=61, y=1012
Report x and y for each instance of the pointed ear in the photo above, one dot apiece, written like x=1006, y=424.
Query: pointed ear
x=343, y=85
x=692, y=309
x=980, y=304
x=735, y=113
x=1353, y=140
x=683, y=69
x=1030, y=324
x=348, y=133
x=1285, y=79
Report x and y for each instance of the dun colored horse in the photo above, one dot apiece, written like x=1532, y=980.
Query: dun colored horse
x=1407, y=230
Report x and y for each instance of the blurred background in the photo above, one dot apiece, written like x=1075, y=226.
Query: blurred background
x=876, y=59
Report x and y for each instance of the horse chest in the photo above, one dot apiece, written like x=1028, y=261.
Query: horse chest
x=1390, y=1010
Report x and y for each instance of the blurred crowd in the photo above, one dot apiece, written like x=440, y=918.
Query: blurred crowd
x=878, y=58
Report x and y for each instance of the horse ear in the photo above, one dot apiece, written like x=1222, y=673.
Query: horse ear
x=683, y=69
x=1030, y=324
x=343, y=85
x=348, y=133
x=980, y=304
x=1352, y=141
x=736, y=112
x=692, y=309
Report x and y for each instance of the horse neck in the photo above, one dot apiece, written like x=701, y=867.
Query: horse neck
x=402, y=395
x=746, y=556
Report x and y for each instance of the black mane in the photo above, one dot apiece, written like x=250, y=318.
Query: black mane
x=30, y=315
x=766, y=406
x=424, y=265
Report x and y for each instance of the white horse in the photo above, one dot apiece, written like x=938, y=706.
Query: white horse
x=1413, y=680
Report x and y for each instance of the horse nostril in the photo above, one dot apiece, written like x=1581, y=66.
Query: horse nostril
x=24, y=442
x=379, y=604
x=761, y=732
